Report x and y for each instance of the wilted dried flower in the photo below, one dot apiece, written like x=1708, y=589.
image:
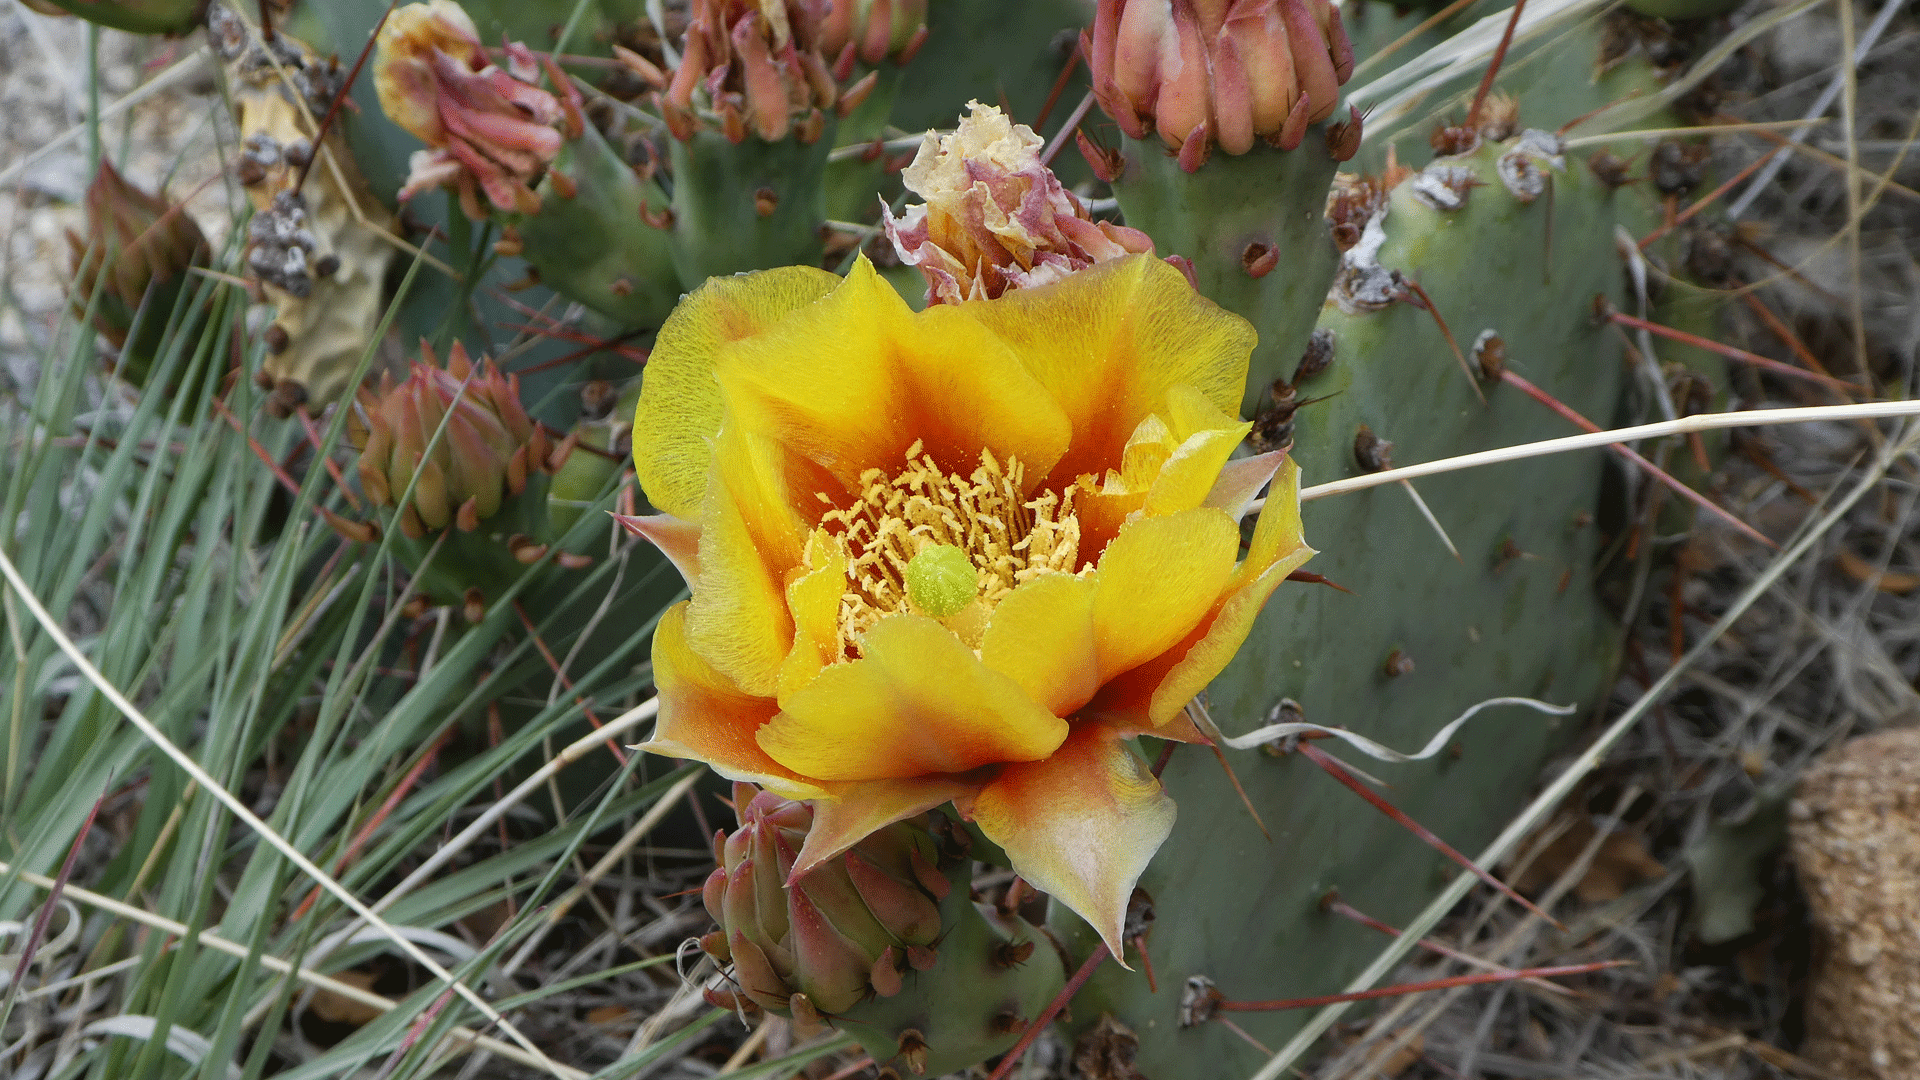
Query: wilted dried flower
x=995, y=218
x=487, y=130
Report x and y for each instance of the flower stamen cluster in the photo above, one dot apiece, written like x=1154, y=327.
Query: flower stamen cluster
x=1008, y=538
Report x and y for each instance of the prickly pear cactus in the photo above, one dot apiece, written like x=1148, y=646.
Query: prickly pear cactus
x=1513, y=268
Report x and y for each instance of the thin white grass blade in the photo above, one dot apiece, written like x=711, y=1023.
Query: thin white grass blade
x=619, y=725
x=1548, y=800
x=1871, y=410
x=1399, y=91
x=1434, y=522
x=240, y=810
x=452, y=947
x=189, y=1046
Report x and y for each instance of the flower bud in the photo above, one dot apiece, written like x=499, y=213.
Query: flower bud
x=485, y=456
x=1218, y=72
x=995, y=218
x=835, y=935
x=750, y=65
x=872, y=31
x=134, y=242
x=487, y=130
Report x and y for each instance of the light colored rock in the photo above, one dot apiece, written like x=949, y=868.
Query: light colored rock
x=1855, y=827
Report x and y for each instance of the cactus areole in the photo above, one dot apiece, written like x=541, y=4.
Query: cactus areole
x=807, y=438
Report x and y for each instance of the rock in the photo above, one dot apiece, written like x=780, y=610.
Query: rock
x=1855, y=830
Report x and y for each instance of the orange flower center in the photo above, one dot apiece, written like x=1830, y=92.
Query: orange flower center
x=1008, y=538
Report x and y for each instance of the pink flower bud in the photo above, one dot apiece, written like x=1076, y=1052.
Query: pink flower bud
x=481, y=460
x=837, y=934
x=750, y=67
x=1218, y=72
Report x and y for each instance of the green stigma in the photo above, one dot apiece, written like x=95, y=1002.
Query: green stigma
x=941, y=581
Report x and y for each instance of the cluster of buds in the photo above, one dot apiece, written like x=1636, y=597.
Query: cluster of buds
x=995, y=217
x=488, y=130
x=759, y=67
x=1202, y=73
x=871, y=31
x=134, y=242
x=485, y=456
x=823, y=942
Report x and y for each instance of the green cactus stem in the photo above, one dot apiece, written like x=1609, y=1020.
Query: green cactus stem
x=1423, y=636
x=139, y=16
x=591, y=240
x=1252, y=224
x=993, y=976
x=746, y=205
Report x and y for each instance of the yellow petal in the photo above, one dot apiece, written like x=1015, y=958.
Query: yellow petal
x=1149, y=697
x=706, y=718
x=1276, y=550
x=851, y=382
x=1240, y=482
x=1080, y=825
x=1041, y=636
x=918, y=702
x=1277, y=534
x=852, y=812
x=677, y=539
x=1208, y=438
x=1158, y=579
x=680, y=407
x=1108, y=343
x=749, y=538
x=814, y=592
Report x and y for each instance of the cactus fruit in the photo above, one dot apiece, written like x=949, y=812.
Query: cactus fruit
x=319, y=248
x=136, y=255
x=882, y=941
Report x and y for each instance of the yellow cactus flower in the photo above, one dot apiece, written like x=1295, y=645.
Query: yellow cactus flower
x=820, y=452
